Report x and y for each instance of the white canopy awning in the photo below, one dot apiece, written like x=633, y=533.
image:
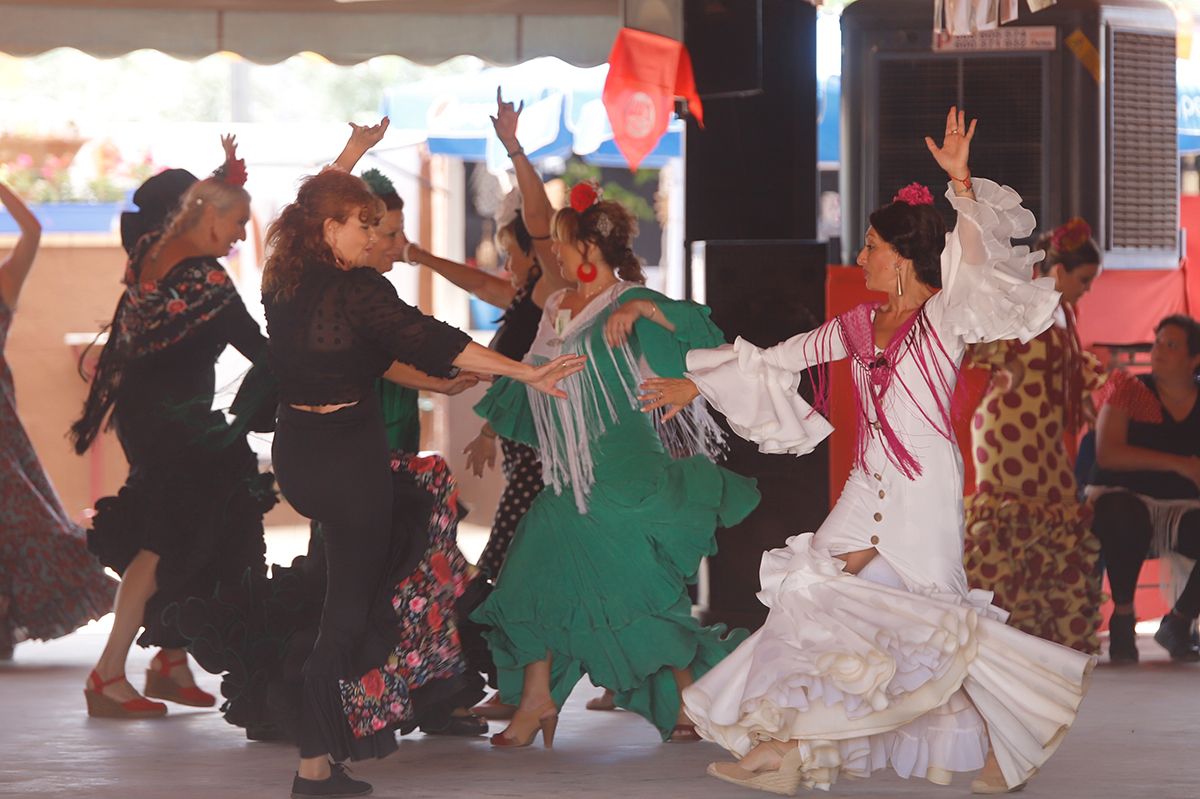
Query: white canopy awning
x=502, y=32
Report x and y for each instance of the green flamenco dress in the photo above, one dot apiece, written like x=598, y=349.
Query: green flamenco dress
x=598, y=570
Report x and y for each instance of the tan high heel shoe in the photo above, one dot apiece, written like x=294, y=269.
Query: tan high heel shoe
x=785, y=780
x=994, y=785
x=547, y=723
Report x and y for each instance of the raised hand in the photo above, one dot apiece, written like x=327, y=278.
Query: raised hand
x=229, y=145
x=364, y=137
x=505, y=121
x=952, y=156
x=675, y=394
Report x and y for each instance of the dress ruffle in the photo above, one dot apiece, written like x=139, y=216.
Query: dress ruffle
x=761, y=402
x=604, y=592
x=1040, y=560
x=993, y=299
x=863, y=675
x=201, y=514
x=258, y=633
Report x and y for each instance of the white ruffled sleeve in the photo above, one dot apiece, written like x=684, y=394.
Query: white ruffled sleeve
x=758, y=389
x=988, y=291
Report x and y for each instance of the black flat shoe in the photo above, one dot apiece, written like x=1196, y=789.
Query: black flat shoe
x=464, y=726
x=1122, y=640
x=339, y=783
x=1175, y=635
x=266, y=732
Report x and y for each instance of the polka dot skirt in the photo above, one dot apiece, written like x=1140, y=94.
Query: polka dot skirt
x=523, y=472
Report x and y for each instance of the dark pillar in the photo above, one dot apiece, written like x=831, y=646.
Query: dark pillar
x=751, y=199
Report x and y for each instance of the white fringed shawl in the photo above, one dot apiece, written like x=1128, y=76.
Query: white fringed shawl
x=567, y=429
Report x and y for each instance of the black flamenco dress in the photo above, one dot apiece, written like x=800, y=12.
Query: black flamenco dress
x=194, y=494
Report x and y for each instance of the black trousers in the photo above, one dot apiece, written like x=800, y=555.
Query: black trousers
x=333, y=468
x=1122, y=524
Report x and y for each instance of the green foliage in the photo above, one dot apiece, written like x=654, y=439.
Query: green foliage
x=577, y=172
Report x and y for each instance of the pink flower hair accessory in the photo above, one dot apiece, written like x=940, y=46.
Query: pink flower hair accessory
x=914, y=194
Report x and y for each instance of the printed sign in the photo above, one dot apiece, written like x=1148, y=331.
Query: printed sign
x=1043, y=37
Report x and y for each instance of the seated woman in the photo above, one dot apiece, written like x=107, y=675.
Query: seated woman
x=1146, y=486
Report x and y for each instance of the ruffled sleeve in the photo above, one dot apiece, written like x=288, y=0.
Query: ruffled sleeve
x=988, y=292
x=665, y=350
x=758, y=389
x=506, y=408
x=1132, y=396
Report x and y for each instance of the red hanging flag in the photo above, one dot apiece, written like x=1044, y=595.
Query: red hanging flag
x=646, y=72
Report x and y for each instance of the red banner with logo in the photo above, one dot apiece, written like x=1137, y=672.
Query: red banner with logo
x=646, y=72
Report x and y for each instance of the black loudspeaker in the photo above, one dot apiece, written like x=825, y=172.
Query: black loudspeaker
x=764, y=291
x=724, y=38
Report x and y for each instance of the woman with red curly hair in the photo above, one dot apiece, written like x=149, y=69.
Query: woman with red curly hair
x=336, y=326
x=1027, y=535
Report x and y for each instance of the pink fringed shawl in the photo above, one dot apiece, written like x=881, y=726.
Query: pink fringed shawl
x=875, y=373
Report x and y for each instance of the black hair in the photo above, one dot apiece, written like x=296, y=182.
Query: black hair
x=917, y=233
x=516, y=228
x=1190, y=328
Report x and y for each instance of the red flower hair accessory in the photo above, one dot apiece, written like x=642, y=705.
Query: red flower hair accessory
x=914, y=194
x=585, y=195
x=1071, y=235
x=232, y=172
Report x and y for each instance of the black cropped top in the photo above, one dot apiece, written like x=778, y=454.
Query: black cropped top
x=342, y=330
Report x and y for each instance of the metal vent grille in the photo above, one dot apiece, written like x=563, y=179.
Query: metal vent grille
x=1143, y=204
x=1003, y=93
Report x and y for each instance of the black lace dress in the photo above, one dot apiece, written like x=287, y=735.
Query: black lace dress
x=194, y=494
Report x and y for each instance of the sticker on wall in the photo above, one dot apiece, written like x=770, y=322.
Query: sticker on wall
x=1086, y=52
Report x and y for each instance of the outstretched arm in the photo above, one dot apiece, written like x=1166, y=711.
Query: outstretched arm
x=16, y=267
x=536, y=210
x=491, y=289
x=362, y=138
x=411, y=377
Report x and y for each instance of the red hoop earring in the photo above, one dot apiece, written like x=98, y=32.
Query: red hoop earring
x=586, y=272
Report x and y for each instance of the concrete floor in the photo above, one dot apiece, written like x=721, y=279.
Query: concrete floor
x=1136, y=735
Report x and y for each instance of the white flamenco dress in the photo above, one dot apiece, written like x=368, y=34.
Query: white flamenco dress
x=901, y=665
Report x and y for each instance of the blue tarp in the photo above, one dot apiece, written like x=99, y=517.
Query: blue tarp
x=563, y=114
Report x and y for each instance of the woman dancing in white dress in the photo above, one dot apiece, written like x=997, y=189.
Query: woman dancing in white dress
x=875, y=652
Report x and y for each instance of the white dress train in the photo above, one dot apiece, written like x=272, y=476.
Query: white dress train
x=901, y=665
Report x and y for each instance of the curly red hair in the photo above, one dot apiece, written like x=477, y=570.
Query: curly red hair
x=297, y=236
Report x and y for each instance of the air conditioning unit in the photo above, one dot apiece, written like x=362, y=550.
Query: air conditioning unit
x=1078, y=114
